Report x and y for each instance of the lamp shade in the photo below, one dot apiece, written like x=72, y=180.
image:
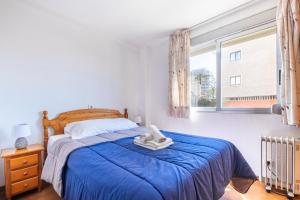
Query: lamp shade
x=21, y=130
x=138, y=119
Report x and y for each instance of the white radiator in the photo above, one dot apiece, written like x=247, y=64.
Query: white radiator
x=280, y=164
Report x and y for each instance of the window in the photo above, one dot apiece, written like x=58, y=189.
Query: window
x=235, y=80
x=216, y=81
x=258, y=69
x=203, y=78
x=235, y=56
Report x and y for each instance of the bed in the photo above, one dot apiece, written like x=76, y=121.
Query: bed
x=109, y=166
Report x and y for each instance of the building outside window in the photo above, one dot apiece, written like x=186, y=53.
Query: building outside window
x=258, y=70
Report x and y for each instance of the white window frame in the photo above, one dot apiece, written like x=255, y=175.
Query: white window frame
x=218, y=43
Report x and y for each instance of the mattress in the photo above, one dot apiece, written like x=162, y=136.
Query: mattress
x=192, y=168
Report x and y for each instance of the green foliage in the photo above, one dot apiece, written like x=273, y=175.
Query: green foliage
x=202, y=102
x=206, y=94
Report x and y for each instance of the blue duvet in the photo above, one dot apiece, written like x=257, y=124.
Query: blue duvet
x=192, y=168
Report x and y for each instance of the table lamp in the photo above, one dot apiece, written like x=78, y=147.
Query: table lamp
x=21, y=131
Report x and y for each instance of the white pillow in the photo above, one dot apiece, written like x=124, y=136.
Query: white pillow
x=83, y=130
x=118, y=124
x=54, y=138
x=88, y=128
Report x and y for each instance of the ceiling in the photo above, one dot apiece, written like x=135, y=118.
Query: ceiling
x=135, y=21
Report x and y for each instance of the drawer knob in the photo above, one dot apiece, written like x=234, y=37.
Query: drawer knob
x=25, y=185
x=25, y=173
x=25, y=162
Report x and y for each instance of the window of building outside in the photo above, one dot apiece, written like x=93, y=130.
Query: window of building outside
x=235, y=56
x=250, y=83
x=235, y=80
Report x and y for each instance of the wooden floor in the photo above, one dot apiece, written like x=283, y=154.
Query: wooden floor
x=256, y=192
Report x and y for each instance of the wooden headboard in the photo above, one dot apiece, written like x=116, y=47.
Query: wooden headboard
x=58, y=124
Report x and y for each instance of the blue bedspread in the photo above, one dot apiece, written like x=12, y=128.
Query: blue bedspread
x=192, y=168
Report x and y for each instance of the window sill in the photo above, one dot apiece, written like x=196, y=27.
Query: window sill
x=232, y=110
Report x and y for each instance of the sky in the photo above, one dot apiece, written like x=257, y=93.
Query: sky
x=206, y=60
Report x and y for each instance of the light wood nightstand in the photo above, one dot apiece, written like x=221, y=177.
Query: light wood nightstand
x=22, y=169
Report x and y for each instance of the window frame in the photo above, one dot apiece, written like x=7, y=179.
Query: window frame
x=218, y=44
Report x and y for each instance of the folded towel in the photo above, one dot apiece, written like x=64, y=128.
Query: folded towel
x=146, y=137
x=153, y=145
x=157, y=135
x=153, y=140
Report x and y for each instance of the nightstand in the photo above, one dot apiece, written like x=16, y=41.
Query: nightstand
x=22, y=169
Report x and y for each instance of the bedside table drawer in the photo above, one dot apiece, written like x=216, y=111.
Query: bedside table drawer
x=25, y=185
x=24, y=161
x=25, y=173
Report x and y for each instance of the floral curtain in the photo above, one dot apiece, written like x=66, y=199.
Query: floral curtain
x=179, y=74
x=288, y=24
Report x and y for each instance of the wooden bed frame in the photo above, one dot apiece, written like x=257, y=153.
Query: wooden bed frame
x=58, y=124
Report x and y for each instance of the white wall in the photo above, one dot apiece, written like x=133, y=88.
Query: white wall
x=243, y=130
x=50, y=63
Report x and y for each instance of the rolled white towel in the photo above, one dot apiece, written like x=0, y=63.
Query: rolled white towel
x=157, y=135
x=154, y=145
